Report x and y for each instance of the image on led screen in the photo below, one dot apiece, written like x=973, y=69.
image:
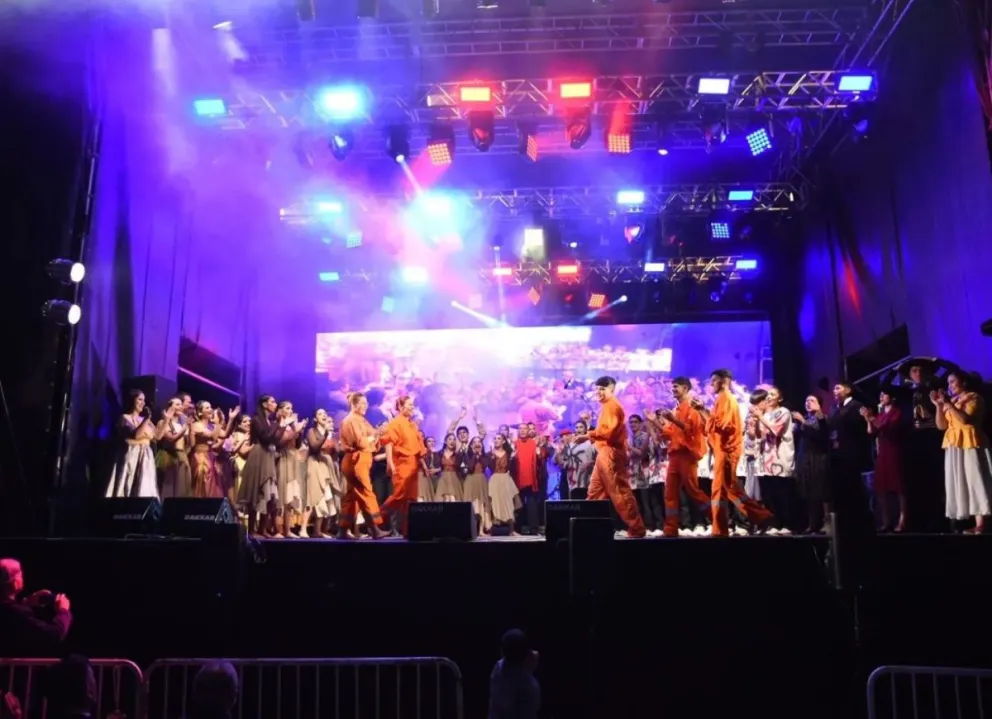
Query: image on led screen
x=507, y=375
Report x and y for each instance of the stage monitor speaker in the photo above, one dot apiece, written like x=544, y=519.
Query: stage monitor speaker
x=157, y=390
x=558, y=515
x=431, y=521
x=591, y=558
x=199, y=518
x=120, y=516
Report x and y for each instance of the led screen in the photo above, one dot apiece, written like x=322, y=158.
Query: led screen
x=508, y=375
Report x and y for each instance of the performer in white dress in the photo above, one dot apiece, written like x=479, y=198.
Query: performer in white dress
x=133, y=473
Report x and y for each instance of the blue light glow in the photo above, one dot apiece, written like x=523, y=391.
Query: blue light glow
x=720, y=230
x=747, y=264
x=330, y=208
x=341, y=103
x=212, y=107
x=329, y=276
x=856, y=83
x=740, y=195
x=414, y=275
x=388, y=304
x=759, y=141
x=353, y=239
x=630, y=197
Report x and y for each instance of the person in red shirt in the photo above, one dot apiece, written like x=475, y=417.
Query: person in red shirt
x=611, y=474
x=683, y=430
x=405, y=451
x=725, y=429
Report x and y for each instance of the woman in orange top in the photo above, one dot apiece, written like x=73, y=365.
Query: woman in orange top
x=358, y=443
x=967, y=460
x=404, y=453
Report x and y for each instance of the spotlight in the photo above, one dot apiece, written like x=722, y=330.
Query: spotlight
x=341, y=144
x=61, y=312
x=714, y=86
x=618, y=143
x=858, y=116
x=578, y=127
x=596, y=301
x=343, y=103
x=398, y=143
x=717, y=285
x=720, y=230
x=527, y=143
x=66, y=271
x=481, y=129
x=714, y=121
x=633, y=231
x=856, y=84
x=759, y=141
x=210, y=107
x=664, y=140
x=441, y=144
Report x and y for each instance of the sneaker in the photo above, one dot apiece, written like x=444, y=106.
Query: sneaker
x=740, y=532
x=655, y=533
x=707, y=532
x=621, y=534
x=685, y=532
x=785, y=532
x=772, y=532
x=699, y=530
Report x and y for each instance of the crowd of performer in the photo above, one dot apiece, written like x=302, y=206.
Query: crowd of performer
x=712, y=460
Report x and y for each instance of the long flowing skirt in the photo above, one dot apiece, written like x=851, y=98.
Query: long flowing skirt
x=237, y=471
x=449, y=488
x=425, y=488
x=207, y=477
x=175, y=477
x=289, y=476
x=504, y=498
x=967, y=482
x=258, y=480
x=133, y=474
x=320, y=496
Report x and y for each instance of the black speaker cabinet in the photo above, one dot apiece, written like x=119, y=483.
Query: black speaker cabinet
x=591, y=559
x=199, y=518
x=120, y=516
x=430, y=521
x=558, y=515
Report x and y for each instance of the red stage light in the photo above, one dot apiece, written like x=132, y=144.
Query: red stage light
x=596, y=301
x=575, y=90
x=618, y=144
x=568, y=270
x=439, y=152
x=534, y=296
x=475, y=94
x=502, y=272
x=532, y=148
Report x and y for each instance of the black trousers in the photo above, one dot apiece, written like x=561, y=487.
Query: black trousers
x=530, y=514
x=651, y=502
x=781, y=496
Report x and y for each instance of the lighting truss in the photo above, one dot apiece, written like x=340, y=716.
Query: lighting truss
x=829, y=28
x=615, y=273
x=782, y=91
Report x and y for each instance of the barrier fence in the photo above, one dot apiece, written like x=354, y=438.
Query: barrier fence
x=118, y=686
x=929, y=693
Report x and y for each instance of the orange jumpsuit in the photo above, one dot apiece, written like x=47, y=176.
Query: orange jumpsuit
x=725, y=429
x=685, y=448
x=356, y=465
x=611, y=473
x=408, y=450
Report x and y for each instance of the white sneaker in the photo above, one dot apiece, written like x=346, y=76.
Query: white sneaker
x=685, y=532
x=699, y=530
x=786, y=532
x=740, y=531
x=772, y=532
x=655, y=533
x=621, y=534
x=707, y=532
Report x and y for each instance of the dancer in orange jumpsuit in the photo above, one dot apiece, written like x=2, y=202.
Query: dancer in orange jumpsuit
x=611, y=473
x=358, y=443
x=725, y=429
x=684, y=431
x=405, y=451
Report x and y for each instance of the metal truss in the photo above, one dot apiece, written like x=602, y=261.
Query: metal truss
x=536, y=274
x=479, y=36
x=782, y=91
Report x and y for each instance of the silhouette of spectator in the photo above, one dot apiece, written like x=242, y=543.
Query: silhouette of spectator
x=70, y=688
x=513, y=690
x=34, y=626
x=215, y=692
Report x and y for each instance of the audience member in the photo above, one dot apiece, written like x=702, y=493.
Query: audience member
x=35, y=625
x=70, y=688
x=215, y=692
x=513, y=690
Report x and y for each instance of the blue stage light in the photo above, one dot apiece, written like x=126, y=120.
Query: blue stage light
x=759, y=141
x=436, y=206
x=353, y=239
x=329, y=276
x=720, y=230
x=341, y=103
x=740, y=195
x=388, y=304
x=746, y=264
x=630, y=197
x=211, y=107
x=329, y=208
x=856, y=83
x=414, y=275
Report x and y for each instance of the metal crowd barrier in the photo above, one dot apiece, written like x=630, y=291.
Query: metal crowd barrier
x=400, y=688
x=929, y=693
x=119, y=685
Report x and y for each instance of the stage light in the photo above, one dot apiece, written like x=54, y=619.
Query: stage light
x=856, y=84
x=759, y=141
x=596, y=301
x=436, y=206
x=567, y=270
x=714, y=86
x=213, y=107
x=664, y=139
x=746, y=264
x=329, y=277
x=632, y=232
x=578, y=127
x=481, y=129
x=527, y=144
x=341, y=103
x=714, y=125
x=61, y=312
x=622, y=298
x=441, y=144
x=502, y=272
x=534, y=296
x=353, y=239
x=534, y=238
x=720, y=230
x=573, y=245
x=717, y=285
x=630, y=198
x=618, y=143
x=66, y=271
x=653, y=267
x=575, y=90
x=740, y=195
x=329, y=208
x=473, y=94
x=398, y=143
x=388, y=304
x=341, y=144
x=414, y=275
x=858, y=115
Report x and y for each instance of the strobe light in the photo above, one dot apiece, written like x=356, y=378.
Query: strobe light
x=441, y=144
x=66, y=271
x=61, y=312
